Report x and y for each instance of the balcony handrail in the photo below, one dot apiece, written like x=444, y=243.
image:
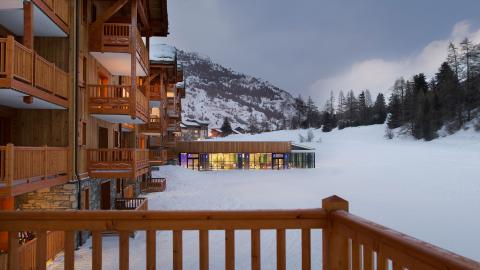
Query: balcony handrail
x=106, y=159
x=348, y=241
x=32, y=163
x=131, y=204
x=24, y=64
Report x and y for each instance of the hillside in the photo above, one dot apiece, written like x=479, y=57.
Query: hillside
x=215, y=92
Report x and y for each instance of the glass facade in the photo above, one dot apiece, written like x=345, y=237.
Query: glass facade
x=247, y=161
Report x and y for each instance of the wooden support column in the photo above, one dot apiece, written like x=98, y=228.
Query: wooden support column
x=335, y=246
x=28, y=24
x=133, y=54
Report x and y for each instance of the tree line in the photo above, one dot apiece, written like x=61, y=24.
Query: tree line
x=420, y=107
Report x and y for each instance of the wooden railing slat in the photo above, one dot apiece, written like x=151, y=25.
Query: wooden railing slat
x=229, y=249
x=151, y=249
x=69, y=245
x=124, y=253
x=356, y=255
x=306, y=250
x=96, y=250
x=203, y=249
x=255, y=241
x=177, y=250
x=41, y=251
x=381, y=261
x=281, y=249
x=367, y=258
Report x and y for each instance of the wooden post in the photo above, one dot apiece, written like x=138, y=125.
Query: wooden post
x=13, y=259
x=41, y=251
x=69, y=247
x=45, y=162
x=335, y=247
x=133, y=55
x=28, y=24
x=9, y=164
x=10, y=56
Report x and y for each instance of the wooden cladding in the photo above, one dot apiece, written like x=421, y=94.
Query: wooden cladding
x=232, y=147
x=158, y=156
x=117, y=163
x=24, y=65
x=32, y=165
x=117, y=99
x=349, y=242
x=131, y=204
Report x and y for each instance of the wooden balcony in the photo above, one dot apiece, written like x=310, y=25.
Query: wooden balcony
x=157, y=92
x=348, y=241
x=117, y=104
x=117, y=163
x=158, y=157
x=139, y=204
x=23, y=70
x=173, y=124
x=25, y=169
x=154, y=126
x=117, y=38
x=154, y=185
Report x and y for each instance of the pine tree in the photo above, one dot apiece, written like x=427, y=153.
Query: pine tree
x=453, y=59
x=379, y=110
x=395, y=111
x=226, y=127
x=253, y=125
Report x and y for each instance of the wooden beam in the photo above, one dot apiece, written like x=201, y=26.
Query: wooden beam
x=28, y=24
x=143, y=15
x=108, y=13
x=133, y=55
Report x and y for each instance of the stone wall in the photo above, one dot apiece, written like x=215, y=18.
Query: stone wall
x=61, y=197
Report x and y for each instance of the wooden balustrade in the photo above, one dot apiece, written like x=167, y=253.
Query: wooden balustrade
x=348, y=241
x=116, y=99
x=157, y=92
x=120, y=163
x=158, y=155
x=24, y=65
x=27, y=252
x=154, y=184
x=116, y=37
x=30, y=164
x=131, y=204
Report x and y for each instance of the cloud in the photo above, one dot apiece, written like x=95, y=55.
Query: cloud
x=378, y=75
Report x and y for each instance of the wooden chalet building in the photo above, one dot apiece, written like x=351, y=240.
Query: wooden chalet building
x=193, y=130
x=81, y=102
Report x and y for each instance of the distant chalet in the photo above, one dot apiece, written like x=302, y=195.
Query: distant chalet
x=247, y=155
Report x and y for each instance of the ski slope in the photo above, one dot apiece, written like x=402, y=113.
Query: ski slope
x=429, y=190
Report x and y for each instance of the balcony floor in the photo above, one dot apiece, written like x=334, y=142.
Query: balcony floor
x=118, y=118
x=14, y=99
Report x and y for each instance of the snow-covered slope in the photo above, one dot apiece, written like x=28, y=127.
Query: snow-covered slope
x=429, y=190
x=215, y=92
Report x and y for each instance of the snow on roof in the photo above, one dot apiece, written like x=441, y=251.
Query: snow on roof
x=163, y=53
x=181, y=85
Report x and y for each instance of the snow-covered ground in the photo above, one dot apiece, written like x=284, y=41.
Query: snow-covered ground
x=429, y=190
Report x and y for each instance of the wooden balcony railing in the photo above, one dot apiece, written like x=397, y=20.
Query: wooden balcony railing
x=154, y=185
x=22, y=64
x=117, y=99
x=131, y=204
x=157, y=92
x=158, y=156
x=34, y=166
x=27, y=252
x=348, y=242
x=155, y=125
x=119, y=163
x=115, y=37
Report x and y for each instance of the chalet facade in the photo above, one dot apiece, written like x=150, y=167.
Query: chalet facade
x=194, y=130
x=81, y=103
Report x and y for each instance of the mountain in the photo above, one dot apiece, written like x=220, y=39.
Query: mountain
x=215, y=92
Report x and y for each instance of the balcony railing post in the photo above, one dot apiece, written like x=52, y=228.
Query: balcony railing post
x=9, y=55
x=335, y=247
x=45, y=161
x=9, y=163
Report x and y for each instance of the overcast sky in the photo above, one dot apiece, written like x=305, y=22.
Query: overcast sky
x=312, y=47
